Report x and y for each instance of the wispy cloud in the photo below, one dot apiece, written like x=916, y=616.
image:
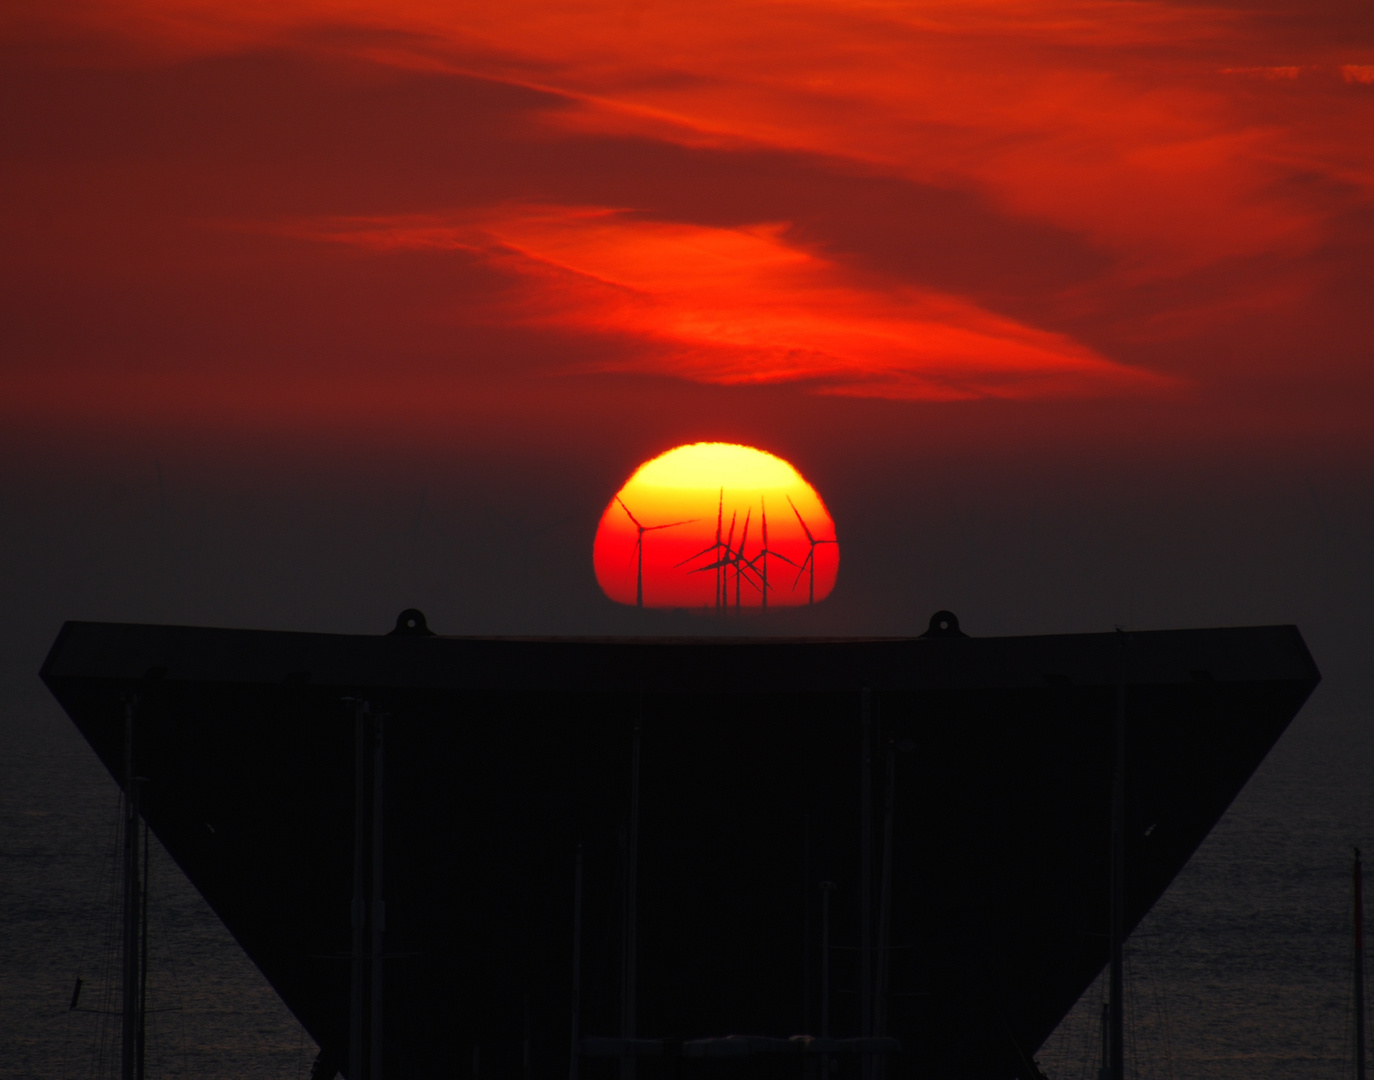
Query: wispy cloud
x=1281, y=73
x=749, y=305
x=1093, y=115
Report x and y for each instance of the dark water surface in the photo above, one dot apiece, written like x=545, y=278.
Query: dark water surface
x=1242, y=970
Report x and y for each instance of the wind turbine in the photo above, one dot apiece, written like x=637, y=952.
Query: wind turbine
x=723, y=562
x=763, y=554
x=810, y=559
x=738, y=557
x=731, y=557
x=639, y=547
x=719, y=564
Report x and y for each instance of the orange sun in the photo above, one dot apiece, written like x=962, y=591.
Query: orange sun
x=716, y=525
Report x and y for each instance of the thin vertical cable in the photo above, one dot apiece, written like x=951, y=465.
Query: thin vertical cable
x=1358, y=883
x=576, y=968
x=866, y=876
x=131, y=1021
x=355, y=1007
x=378, y=907
x=1118, y=883
x=628, y=996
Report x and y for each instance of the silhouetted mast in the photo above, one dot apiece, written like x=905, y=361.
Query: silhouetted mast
x=359, y=929
x=1357, y=875
x=133, y=986
x=576, y=966
x=763, y=554
x=827, y=887
x=1117, y=928
x=720, y=570
x=865, y=876
x=369, y=907
x=885, y=909
x=630, y=930
x=378, y=912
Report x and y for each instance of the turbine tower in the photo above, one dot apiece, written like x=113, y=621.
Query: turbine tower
x=722, y=564
x=810, y=559
x=719, y=564
x=762, y=556
x=639, y=547
x=738, y=557
x=733, y=557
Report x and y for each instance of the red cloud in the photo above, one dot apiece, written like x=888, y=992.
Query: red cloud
x=1094, y=115
x=999, y=198
x=746, y=305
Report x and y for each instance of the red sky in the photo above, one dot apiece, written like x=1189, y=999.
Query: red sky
x=310, y=312
x=219, y=216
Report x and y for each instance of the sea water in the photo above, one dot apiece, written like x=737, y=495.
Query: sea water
x=1243, y=969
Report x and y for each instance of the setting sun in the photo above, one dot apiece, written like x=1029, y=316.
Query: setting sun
x=716, y=525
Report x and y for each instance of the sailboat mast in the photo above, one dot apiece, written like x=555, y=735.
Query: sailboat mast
x=1357, y=874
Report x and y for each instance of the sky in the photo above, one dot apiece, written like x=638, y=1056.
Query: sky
x=310, y=312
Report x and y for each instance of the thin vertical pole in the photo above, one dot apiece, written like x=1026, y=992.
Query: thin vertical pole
x=525, y=1042
x=131, y=1020
x=1118, y=892
x=576, y=967
x=806, y=923
x=358, y=970
x=141, y=1039
x=639, y=569
x=763, y=604
x=866, y=875
x=885, y=908
x=1105, y=1072
x=1358, y=876
x=827, y=887
x=378, y=907
x=627, y=1003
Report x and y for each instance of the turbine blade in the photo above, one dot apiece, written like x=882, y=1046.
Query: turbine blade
x=670, y=525
x=799, y=518
x=699, y=554
x=802, y=569
x=627, y=511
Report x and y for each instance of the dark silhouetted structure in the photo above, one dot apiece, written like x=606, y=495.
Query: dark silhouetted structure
x=959, y=792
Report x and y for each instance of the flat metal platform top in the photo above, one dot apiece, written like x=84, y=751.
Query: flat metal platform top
x=133, y=652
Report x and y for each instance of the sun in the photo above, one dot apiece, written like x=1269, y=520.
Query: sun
x=717, y=526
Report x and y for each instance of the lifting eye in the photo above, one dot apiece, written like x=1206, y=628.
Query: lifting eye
x=944, y=624
x=411, y=623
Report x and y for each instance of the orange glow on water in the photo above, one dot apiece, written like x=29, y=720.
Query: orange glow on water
x=716, y=525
